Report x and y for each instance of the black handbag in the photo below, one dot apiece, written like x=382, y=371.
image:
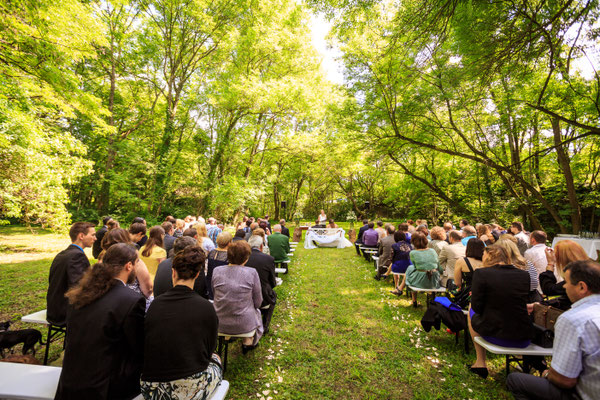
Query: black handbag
x=542, y=337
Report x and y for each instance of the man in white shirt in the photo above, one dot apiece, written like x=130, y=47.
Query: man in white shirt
x=575, y=370
x=537, y=252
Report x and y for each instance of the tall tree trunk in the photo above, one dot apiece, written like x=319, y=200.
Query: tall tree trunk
x=565, y=166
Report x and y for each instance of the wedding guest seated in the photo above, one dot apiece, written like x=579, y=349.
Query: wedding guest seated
x=385, y=252
x=264, y=264
x=239, y=235
x=332, y=224
x=152, y=253
x=144, y=238
x=137, y=230
x=253, y=225
x=180, y=337
x=370, y=238
x=260, y=232
x=484, y=233
x=279, y=245
x=168, y=239
x=508, y=242
x=380, y=229
x=164, y=274
x=66, y=270
x=204, y=240
x=465, y=266
x=536, y=254
x=216, y=258
x=564, y=253
x=105, y=327
x=96, y=248
x=265, y=227
x=499, y=297
x=179, y=228
x=359, y=236
x=516, y=228
x=143, y=282
x=424, y=230
x=450, y=254
x=447, y=228
x=575, y=370
x=425, y=270
x=238, y=297
x=113, y=224
x=438, y=239
x=468, y=233
x=400, y=260
x=404, y=228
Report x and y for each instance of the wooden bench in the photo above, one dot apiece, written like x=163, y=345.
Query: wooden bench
x=224, y=339
x=369, y=252
x=55, y=332
x=39, y=382
x=512, y=352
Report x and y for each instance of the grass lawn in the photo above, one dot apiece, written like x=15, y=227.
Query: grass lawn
x=336, y=333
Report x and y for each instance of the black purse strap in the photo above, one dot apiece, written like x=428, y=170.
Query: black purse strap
x=468, y=264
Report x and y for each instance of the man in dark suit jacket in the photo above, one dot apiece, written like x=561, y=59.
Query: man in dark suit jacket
x=142, y=241
x=104, y=352
x=284, y=231
x=97, y=248
x=168, y=239
x=362, y=230
x=264, y=264
x=67, y=269
x=163, y=281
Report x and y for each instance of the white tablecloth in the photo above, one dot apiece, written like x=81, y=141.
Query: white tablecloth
x=589, y=245
x=326, y=237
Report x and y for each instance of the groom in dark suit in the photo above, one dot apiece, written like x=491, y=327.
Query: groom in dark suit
x=67, y=269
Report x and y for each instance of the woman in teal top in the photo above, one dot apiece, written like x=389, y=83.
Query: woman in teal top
x=425, y=271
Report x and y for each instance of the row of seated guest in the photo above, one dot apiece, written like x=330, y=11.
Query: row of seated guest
x=111, y=345
x=178, y=363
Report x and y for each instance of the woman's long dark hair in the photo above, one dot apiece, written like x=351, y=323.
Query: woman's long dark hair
x=155, y=238
x=100, y=278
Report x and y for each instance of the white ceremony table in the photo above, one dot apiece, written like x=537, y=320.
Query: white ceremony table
x=591, y=246
x=326, y=237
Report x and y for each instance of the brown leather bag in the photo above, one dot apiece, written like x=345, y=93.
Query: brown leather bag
x=545, y=316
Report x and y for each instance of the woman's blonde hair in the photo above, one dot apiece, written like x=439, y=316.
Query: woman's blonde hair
x=514, y=254
x=496, y=255
x=179, y=224
x=201, y=229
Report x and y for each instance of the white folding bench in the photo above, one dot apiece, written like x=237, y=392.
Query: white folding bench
x=224, y=339
x=54, y=331
x=26, y=381
x=512, y=352
x=430, y=293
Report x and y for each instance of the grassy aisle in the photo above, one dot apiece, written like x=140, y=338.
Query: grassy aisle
x=339, y=334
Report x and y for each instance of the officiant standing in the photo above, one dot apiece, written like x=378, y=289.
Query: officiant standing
x=322, y=218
